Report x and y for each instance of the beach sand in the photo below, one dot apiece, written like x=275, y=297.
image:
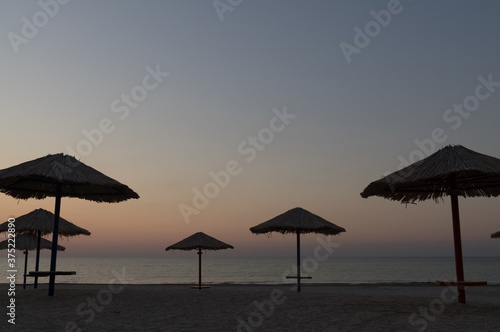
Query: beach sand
x=116, y=307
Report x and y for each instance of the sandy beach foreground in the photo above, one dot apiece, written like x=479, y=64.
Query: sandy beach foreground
x=117, y=307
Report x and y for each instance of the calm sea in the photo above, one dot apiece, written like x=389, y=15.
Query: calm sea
x=267, y=270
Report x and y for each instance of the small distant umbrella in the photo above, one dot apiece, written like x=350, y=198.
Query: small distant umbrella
x=27, y=242
x=60, y=175
x=298, y=221
x=452, y=171
x=495, y=235
x=40, y=222
x=199, y=241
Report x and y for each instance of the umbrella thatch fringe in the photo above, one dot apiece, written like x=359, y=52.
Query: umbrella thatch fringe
x=297, y=219
x=200, y=241
x=43, y=221
x=39, y=179
x=473, y=175
x=495, y=235
x=29, y=242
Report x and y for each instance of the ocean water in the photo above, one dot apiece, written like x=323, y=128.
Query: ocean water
x=266, y=270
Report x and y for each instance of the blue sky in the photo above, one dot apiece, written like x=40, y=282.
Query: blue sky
x=353, y=121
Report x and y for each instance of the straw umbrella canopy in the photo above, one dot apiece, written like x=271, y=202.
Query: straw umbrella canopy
x=40, y=222
x=27, y=242
x=297, y=221
x=495, y=235
x=199, y=241
x=452, y=171
x=60, y=175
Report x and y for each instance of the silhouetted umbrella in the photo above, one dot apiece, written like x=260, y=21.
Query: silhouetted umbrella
x=298, y=221
x=454, y=171
x=200, y=241
x=27, y=242
x=40, y=222
x=495, y=235
x=59, y=176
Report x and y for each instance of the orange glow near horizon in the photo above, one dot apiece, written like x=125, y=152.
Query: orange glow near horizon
x=375, y=227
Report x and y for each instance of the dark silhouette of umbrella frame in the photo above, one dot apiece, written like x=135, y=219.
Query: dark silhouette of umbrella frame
x=298, y=221
x=199, y=241
x=453, y=171
x=28, y=242
x=41, y=222
x=56, y=176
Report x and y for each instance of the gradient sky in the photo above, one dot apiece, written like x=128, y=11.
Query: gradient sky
x=354, y=121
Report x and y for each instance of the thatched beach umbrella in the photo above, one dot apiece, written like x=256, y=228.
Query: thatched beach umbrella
x=40, y=222
x=298, y=221
x=200, y=241
x=495, y=235
x=59, y=176
x=452, y=171
x=27, y=242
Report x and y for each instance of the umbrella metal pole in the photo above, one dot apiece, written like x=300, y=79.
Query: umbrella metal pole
x=199, y=268
x=37, y=263
x=55, y=235
x=458, y=247
x=298, y=261
x=25, y=266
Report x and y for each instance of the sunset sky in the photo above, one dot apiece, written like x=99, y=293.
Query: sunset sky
x=288, y=103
